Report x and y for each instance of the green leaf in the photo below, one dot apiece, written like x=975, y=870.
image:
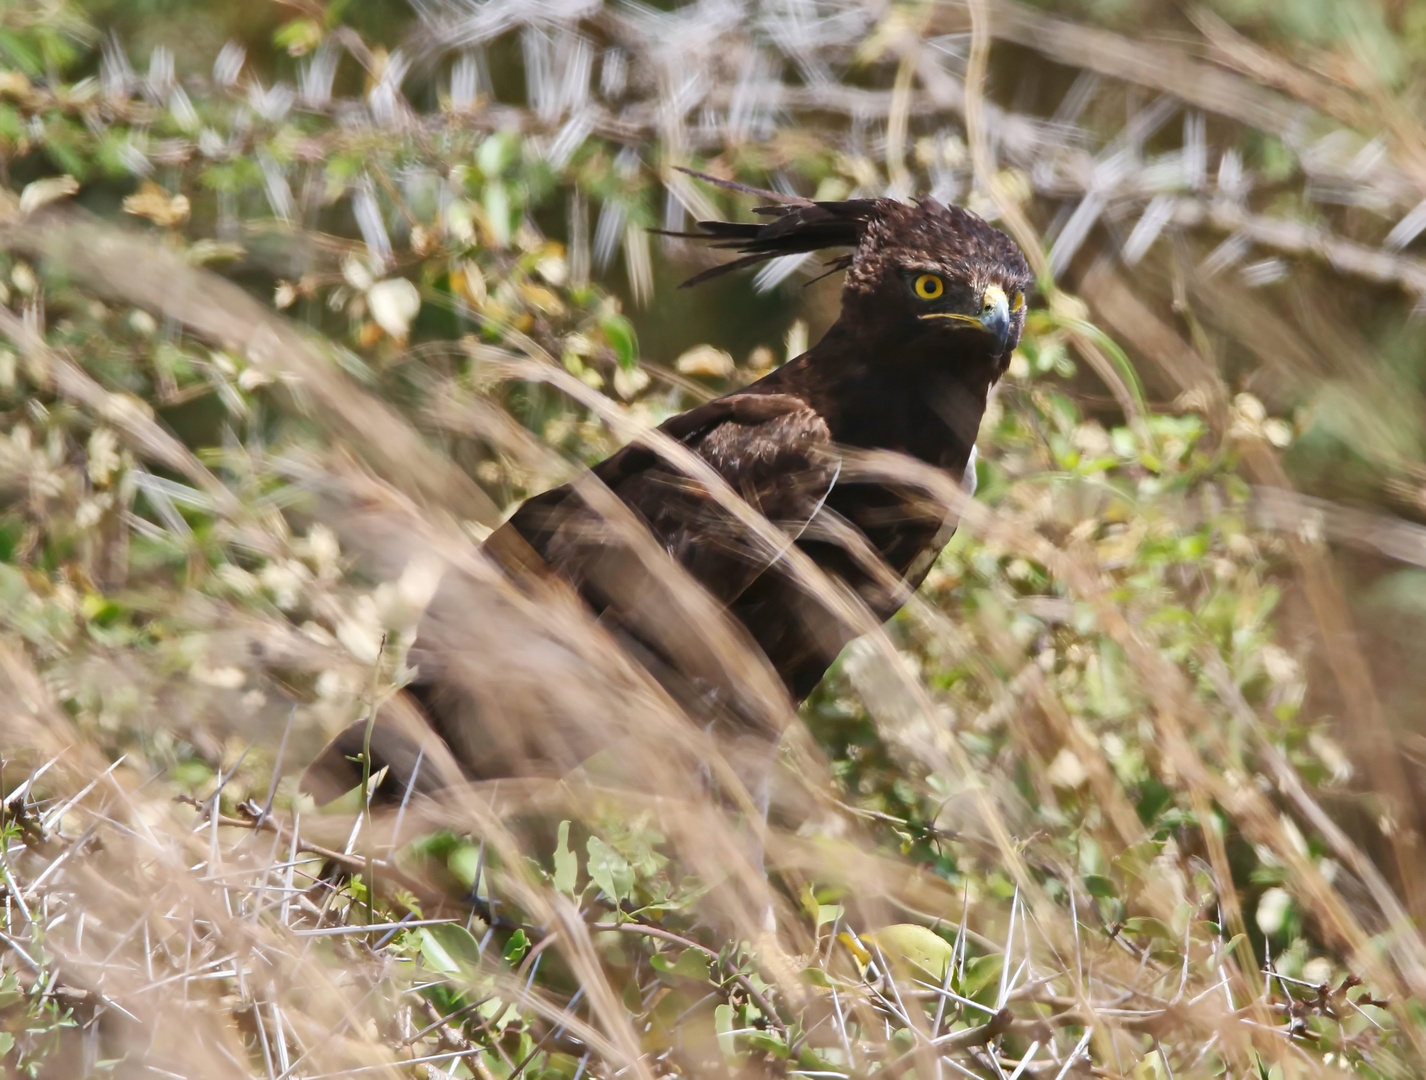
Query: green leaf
x=918, y=951
x=449, y=948
x=767, y=1042
x=566, y=875
x=1233, y=943
x=497, y=153
x=609, y=870
x=725, y=1022
x=1150, y=1068
x=298, y=37
x=619, y=332
x=1099, y=885
x=497, y=212
x=559, y=1067
x=811, y=1061
x=980, y=972
x=1153, y=798
x=1149, y=927
x=517, y=947
x=691, y=964
x=464, y=862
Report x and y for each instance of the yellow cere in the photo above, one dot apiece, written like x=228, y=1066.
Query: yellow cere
x=994, y=296
x=929, y=287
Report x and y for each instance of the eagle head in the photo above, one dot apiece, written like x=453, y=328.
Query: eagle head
x=916, y=270
x=938, y=270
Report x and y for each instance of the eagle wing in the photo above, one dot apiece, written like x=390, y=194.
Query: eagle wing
x=774, y=450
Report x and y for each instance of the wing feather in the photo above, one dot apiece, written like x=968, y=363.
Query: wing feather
x=773, y=449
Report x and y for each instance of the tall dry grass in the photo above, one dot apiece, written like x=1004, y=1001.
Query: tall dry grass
x=1128, y=789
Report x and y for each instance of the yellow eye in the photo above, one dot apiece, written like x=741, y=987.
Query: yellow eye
x=929, y=287
x=1017, y=302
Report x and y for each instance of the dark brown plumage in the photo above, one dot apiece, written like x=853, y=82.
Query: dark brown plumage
x=932, y=307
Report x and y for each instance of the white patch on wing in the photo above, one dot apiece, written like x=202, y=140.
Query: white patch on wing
x=968, y=478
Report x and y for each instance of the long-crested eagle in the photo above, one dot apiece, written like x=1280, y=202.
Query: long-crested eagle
x=932, y=307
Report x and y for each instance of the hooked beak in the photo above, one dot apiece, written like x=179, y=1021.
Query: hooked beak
x=994, y=317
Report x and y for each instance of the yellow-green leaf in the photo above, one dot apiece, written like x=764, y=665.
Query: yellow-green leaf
x=916, y=950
